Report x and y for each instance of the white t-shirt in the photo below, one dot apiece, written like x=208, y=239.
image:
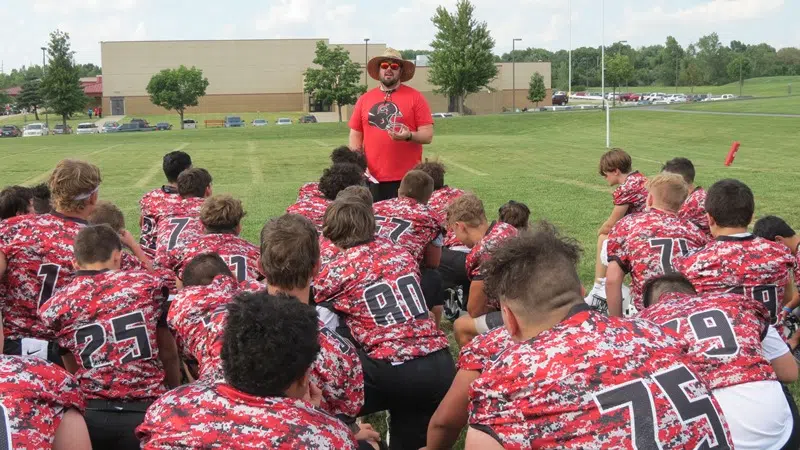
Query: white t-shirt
x=757, y=413
x=773, y=346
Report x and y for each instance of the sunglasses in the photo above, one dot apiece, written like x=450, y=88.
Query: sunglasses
x=387, y=65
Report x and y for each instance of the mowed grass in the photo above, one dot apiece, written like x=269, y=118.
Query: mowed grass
x=776, y=105
x=756, y=87
x=548, y=161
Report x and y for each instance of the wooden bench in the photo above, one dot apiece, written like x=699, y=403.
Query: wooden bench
x=214, y=123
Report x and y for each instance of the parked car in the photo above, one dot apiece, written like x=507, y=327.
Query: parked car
x=62, y=129
x=234, y=122
x=629, y=97
x=109, y=127
x=560, y=98
x=163, y=126
x=308, y=119
x=87, y=128
x=259, y=123
x=442, y=115
x=133, y=126
x=189, y=124
x=283, y=121
x=10, y=131
x=727, y=97
x=35, y=129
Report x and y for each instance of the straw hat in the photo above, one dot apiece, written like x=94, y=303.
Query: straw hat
x=374, y=65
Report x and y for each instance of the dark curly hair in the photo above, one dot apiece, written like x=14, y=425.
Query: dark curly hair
x=41, y=198
x=343, y=154
x=270, y=342
x=14, y=201
x=339, y=176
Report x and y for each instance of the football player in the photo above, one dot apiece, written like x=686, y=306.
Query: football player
x=644, y=244
x=515, y=214
x=741, y=357
x=110, y=325
x=107, y=213
x=15, y=201
x=629, y=197
x=221, y=217
x=442, y=195
x=467, y=218
x=41, y=199
x=36, y=256
x=156, y=204
x=577, y=378
x=693, y=209
x=738, y=261
x=265, y=400
x=339, y=155
x=375, y=286
x=334, y=179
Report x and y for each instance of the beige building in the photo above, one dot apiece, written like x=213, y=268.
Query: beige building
x=267, y=76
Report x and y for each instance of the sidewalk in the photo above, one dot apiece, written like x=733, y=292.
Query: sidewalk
x=105, y=119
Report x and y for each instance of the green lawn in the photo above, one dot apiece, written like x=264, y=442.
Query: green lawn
x=548, y=161
x=776, y=105
x=756, y=87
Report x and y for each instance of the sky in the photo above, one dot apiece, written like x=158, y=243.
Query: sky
x=402, y=25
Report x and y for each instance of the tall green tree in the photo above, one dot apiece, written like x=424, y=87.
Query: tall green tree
x=712, y=58
x=619, y=70
x=337, y=80
x=536, y=89
x=462, y=62
x=671, y=56
x=740, y=68
x=61, y=87
x=29, y=96
x=177, y=89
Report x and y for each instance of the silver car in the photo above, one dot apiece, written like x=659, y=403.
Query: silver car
x=87, y=128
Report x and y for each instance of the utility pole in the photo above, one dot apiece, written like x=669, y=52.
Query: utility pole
x=603, y=75
x=366, y=59
x=677, y=73
x=569, y=89
x=46, y=116
x=514, y=75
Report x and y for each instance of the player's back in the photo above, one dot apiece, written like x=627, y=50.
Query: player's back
x=312, y=208
x=745, y=264
x=337, y=372
x=107, y=320
x=309, y=190
x=633, y=192
x=39, y=255
x=179, y=224
x=376, y=286
x=694, y=210
x=438, y=203
x=34, y=395
x=593, y=381
x=407, y=223
x=241, y=255
x=155, y=205
x=481, y=351
x=201, y=416
x=724, y=331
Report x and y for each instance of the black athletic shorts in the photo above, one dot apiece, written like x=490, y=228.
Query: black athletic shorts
x=112, y=424
x=386, y=190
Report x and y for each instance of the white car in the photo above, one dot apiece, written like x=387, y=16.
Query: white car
x=283, y=121
x=87, y=128
x=259, y=123
x=36, y=129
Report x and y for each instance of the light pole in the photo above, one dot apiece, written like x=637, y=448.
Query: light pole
x=603, y=74
x=46, y=117
x=366, y=57
x=569, y=89
x=514, y=75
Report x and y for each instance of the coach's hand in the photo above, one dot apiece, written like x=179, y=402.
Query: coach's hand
x=402, y=135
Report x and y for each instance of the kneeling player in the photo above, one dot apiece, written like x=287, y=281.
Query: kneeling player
x=110, y=324
x=15, y=201
x=694, y=208
x=374, y=285
x=106, y=213
x=515, y=214
x=735, y=351
x=156, y=204
x=180, y=222
x=339, y=155
x=334, y=179
x=270, y=344
x=643, y=391
x=467, y=218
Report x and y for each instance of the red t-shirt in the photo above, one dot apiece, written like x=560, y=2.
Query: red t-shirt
x=377, y=112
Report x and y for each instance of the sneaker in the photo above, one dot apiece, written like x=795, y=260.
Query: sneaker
x=790, y=325
x=628, y=309
x=453, y=303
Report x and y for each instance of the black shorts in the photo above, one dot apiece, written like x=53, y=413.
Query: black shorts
x=386, y=190
x=112, y=424
x=432, y=287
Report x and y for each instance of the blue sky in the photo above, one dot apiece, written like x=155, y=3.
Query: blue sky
x=540, y=23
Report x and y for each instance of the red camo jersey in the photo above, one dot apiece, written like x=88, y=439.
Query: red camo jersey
x=694, y=210
x=108, y=320
x=633, y=192
x=202, y=416
x=645, y=244
x=749, y=265
x=376, y=286
x=130, y=262
x=337, y=372
x=34, y=395
x=39, y=255
x=495, y=235
x=309, y=190
x=440, y=200
x=327, y=250
x=724, y=332
x=155, y=205
x=480, y=351
x=181, y=224
x=407, y=223
x=593, y=381
x=312, y=208
x=242, y=256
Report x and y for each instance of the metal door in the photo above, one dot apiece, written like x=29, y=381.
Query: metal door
x=117, y=106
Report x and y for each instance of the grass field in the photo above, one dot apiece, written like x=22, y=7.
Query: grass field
x=776, y=105
x=548, y=161
x=756, y=87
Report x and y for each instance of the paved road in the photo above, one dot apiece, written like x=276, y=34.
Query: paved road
x=715, y=113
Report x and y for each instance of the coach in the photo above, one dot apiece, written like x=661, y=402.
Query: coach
x=391, y=123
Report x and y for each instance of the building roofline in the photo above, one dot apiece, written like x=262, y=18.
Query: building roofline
x=235, y=40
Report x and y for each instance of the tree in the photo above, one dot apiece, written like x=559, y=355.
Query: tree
x=691, y=74
x=61, y=87
x=740, y=67
x=671, y=56
x=337, y=80
x=619, y=70
x=462, y=62
x=412, y=54
x=177, y=89
x=536, y=89
x=712, y=59
x=29, y=96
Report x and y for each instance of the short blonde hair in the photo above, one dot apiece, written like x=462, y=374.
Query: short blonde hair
x=221, y=213
x=72, y=184
x=669, y=189
x=468, y=209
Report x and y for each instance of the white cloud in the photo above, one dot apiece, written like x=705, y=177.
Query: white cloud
x=718, y=11
x=67, y=7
